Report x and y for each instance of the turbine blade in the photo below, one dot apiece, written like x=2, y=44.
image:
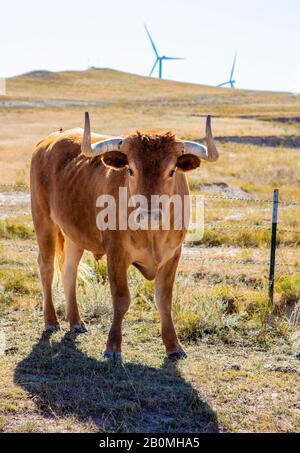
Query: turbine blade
x=233, y=66
x=154, y=66
x=223, y=84
x=172, y=58
x=151, y=40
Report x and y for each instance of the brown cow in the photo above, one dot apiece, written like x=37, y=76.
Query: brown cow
x=69, y=170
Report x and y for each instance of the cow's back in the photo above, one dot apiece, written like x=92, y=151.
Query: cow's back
x=49, y=157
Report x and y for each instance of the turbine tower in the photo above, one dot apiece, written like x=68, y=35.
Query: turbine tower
x=231, y=81
x=159, y=60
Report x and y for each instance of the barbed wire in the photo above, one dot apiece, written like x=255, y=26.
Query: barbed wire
x=219, y=226
x=193, y=258
x=29, y=248
x=208, y=197
x=16, y=188
x=199, y=260
x=250, y=200
x=240, y=262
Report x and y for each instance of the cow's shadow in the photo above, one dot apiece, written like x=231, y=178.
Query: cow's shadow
x=119, y=398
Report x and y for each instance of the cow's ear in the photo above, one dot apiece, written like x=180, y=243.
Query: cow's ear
x=188, y=162
x=115, y=160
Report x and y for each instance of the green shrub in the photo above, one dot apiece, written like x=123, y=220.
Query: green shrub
x=17, y=282
x=289, y=288
x=10, y=229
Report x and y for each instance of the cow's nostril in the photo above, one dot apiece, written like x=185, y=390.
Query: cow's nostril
x=149, y=216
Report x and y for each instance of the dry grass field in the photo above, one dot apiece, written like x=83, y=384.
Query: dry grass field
x=243, y=370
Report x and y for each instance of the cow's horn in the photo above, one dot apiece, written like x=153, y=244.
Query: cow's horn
x=112, y=144
x=86, y=140
x=100, y=147
x=209, y=153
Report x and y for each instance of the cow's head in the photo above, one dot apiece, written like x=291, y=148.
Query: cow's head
x=151, y=161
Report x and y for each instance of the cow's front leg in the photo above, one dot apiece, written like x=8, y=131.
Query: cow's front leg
x=163, y=295
x=117, y=273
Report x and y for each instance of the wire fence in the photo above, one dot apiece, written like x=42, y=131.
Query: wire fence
x=251, y=262
x=221, y=226
x=272, y=228
x=287, y=203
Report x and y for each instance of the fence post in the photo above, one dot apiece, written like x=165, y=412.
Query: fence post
x=273, y=246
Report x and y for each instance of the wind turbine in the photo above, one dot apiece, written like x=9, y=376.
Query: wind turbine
x=159, y=59
x=231, y=81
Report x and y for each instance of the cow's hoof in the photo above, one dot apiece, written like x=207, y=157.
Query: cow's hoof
x=177, y=355
x=115, y=357
x=51, y=328
x=79, y=328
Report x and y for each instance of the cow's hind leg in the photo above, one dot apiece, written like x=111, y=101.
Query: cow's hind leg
x=69, y=264
x=117, y=272
x=46, y=235
x=163, y=296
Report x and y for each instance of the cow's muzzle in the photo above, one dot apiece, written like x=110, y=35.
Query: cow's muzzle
x=153, y=215
x=148, y=219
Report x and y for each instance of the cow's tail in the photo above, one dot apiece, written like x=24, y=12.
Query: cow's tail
x=59, y=251
x=57, y=287
x=60, y=258
x=84, y=272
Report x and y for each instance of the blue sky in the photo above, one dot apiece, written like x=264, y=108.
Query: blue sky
x=65, y=34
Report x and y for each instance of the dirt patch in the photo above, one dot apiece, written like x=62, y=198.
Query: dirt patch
x=225, y=189
x=14, y=198
x=286, y=141
x=282, y=120
x=13, y=204
x=48, y=103
x=286, y=120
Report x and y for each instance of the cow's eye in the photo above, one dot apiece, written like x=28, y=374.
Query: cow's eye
x=172, y=173
x=130, y=171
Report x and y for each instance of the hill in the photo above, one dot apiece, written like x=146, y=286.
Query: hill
x=107, y=86
x=40, y=102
